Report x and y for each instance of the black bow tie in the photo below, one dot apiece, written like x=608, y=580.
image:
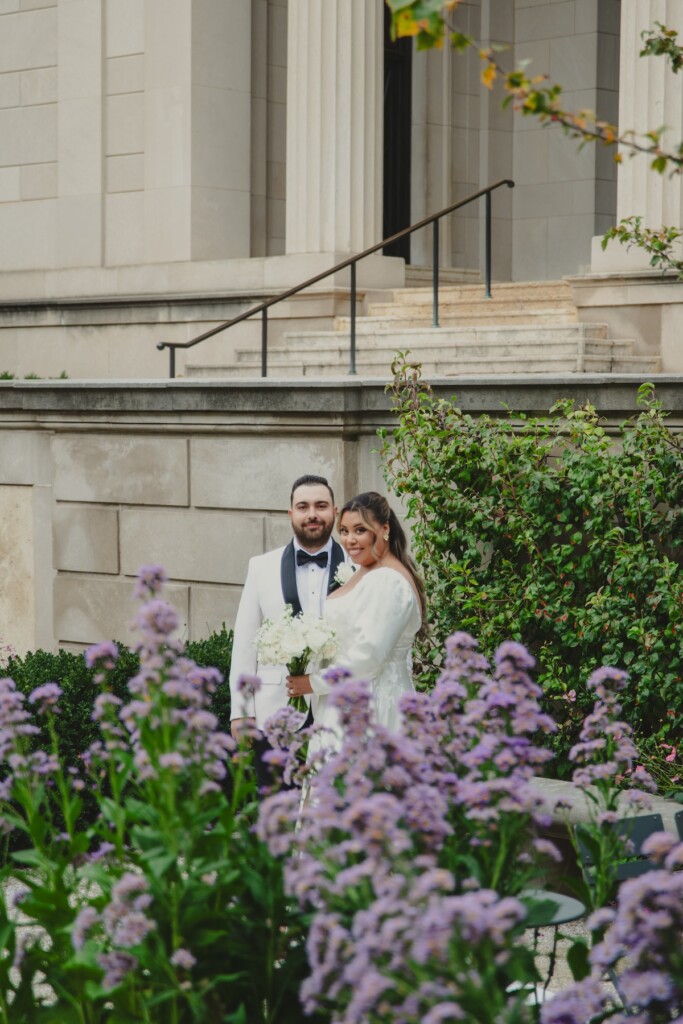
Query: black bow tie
x=303, y=558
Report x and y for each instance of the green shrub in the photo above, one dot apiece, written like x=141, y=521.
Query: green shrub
x=553, y=532
x=74, y=724
x=216, y=652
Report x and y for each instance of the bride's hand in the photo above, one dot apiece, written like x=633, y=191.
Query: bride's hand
x=297, y=686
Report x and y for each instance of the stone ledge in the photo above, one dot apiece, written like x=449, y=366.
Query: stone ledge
x=552, y=790
x=613, y=395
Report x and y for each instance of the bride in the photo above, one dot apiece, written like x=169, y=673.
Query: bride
x=376, y=614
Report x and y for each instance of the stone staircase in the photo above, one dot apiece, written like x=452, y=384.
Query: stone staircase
x=530, y=328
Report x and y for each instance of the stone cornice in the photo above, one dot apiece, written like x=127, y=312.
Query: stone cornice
x=345, y=399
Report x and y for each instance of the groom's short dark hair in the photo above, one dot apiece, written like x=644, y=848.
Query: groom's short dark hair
x=309, y=480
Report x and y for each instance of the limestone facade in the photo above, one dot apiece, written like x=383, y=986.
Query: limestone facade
x=141, y=133
x=97, y=479
x=160, y=155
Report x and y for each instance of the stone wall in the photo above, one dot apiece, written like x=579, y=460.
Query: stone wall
x=97, y=479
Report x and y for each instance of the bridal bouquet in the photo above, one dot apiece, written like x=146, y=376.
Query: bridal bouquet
x=295, y=641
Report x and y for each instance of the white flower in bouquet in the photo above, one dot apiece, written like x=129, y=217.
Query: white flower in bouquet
x=295, y=641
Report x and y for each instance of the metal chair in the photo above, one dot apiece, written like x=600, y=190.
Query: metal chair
x=678, y=818
x=637, y=831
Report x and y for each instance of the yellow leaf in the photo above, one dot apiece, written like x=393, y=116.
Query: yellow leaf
x=488, y=76
x=405, y=25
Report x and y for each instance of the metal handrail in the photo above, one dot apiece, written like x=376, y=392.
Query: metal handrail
x=351, y=262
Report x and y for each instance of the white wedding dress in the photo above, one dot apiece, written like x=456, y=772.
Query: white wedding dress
x=376, y=623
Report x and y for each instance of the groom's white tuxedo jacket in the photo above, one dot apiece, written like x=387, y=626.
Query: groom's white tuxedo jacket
x=269, y=586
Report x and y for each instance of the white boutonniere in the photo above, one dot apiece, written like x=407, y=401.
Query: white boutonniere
x=343, y=574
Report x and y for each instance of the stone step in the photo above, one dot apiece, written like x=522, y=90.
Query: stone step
x=421, y=277
x=527, y=327
x=448, y=335
x=441, y=367
x=559, y=292
x=600, y=356
x=454, y=313
x=636, y=364
x=339, y=357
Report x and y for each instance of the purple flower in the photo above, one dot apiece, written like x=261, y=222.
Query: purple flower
x=103, y=702
x=183, y=958
x=517, y=655
x=157, y=618
x=129, y=885
x=46, y=696
x=173, y=761
x=607, y=681
x=248, y=685
x=547, y=849
x=277, y=821
x=131, y=929
x=86, y=919
x=443, y=1012
x=102, y=851
x=102, y=656
x=577, y=1004
x=150, y=581
x=116, y=966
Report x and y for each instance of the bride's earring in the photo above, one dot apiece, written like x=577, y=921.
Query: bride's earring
x=385, y=537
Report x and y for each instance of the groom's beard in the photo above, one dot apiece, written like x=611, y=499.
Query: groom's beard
x=313, y=535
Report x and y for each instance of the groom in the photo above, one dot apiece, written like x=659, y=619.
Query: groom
x=299, y=574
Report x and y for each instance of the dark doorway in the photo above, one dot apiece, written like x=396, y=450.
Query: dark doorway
x=398, y=58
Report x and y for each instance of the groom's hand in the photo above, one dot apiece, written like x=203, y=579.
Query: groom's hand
x=298, y=686
x=240, y=725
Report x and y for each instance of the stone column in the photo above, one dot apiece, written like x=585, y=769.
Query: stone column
x=80, y=133
x=334, y=125
x=197, y=130
x=650, y=95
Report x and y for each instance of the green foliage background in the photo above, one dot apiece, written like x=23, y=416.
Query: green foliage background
x=74, y=724
x=554, y=532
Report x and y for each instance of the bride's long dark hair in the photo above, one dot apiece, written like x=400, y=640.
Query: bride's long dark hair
x=375, y=510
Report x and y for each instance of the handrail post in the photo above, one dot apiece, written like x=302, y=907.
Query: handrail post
x=264, y=342
x=487, y=245
x=435, y=274
x=171, y=361
x=352, y=352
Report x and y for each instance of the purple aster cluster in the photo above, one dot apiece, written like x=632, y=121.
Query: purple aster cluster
x=102, y=656
x=167, y=724
x=14, y=719
x=288, y=741
x=46, y=698
x=398, y=838
x=414, y=948
x=122, y=925
x=606, y=753
x=150, y=581
x=605, y=756
x=641, y=948
x=34, y=767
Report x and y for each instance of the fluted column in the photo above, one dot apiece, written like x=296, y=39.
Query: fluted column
x=650, y=95
x=334, y=125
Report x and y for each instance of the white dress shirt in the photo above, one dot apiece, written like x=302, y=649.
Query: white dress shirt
x=312, y=581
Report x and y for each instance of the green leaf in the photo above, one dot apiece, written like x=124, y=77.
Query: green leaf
x=577, y=959
x=159, y=862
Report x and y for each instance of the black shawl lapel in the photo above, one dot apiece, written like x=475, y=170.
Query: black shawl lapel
x=335, y=561
x=288, y=579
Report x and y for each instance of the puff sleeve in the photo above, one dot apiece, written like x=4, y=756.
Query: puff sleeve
x=378, y=614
